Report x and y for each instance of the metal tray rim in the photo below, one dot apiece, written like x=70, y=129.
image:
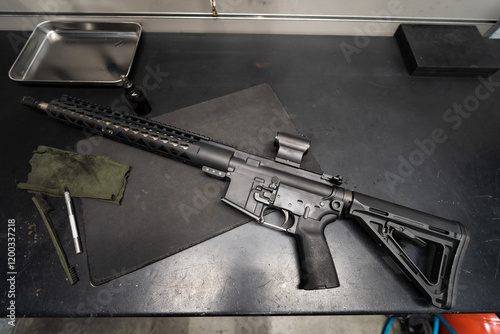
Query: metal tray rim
x=118, y=81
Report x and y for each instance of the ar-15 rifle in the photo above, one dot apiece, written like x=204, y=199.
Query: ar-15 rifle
x=309, y=201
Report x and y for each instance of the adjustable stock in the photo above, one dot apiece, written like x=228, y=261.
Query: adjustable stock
x=428, y=249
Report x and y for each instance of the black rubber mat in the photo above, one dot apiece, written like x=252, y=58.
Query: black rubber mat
x=169, y=206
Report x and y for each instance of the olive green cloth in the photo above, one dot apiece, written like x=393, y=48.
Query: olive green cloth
x=86, y=176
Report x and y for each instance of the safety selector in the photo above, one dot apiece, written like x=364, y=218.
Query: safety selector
x=291, y=148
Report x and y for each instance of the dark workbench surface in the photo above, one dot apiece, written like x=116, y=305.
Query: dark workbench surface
x=364, y=115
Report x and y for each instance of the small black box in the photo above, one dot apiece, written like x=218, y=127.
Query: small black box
x=445, y=50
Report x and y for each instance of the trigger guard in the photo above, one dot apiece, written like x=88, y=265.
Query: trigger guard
x=280, y=227
x=285, y=213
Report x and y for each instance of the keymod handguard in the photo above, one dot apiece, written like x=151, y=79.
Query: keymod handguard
x=438, y=244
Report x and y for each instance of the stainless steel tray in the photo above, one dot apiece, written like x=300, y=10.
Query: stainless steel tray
x=77, y=52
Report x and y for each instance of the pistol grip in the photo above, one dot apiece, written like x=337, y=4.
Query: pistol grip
x=317, y=270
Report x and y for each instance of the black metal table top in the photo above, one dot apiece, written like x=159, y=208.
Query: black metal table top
x=368, y=120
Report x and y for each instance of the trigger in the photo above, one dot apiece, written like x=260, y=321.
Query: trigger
x=287, y=216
